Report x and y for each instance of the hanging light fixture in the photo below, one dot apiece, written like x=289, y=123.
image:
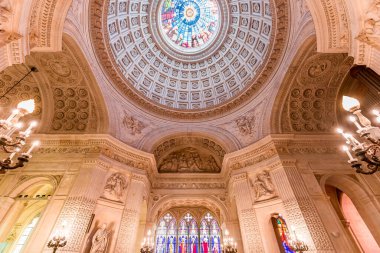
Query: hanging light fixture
x=296, y=244
x=10, y=143
x=229, y=245
x=366, y=158
x=147, y=246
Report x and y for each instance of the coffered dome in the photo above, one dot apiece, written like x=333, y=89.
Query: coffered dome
x=189, y=58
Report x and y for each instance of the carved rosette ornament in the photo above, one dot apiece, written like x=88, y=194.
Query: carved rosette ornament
x=115, y=187
x=263, y=186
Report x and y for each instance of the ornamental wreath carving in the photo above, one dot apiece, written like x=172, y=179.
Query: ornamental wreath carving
x=115, y=186
x=263, y=186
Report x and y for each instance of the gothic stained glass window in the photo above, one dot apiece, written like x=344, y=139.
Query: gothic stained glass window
x=282, y=233
x=189, y=23
x=183, y=234
x=161, y=236
x=204, y=236
x=188, y=235
x=166, y=235
x=215, y=237
x=172, y=237
x=193, y=237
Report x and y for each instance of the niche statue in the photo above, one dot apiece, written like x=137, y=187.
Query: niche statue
x=100, y=240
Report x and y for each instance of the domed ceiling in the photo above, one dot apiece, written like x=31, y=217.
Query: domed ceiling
x=188, y=59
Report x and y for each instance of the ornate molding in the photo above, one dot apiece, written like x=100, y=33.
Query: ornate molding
x=99, y=39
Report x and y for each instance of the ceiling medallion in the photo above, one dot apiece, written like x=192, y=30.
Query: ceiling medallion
x=139, y=45
x=189, y=25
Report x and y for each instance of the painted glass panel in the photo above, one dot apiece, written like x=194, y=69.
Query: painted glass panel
x=189, y=23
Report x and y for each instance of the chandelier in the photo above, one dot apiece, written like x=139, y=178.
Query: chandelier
x=59, y=239
x=13, y=144
x=147, y=245
x=229, y=245
x=366, y=158
x=296, y=244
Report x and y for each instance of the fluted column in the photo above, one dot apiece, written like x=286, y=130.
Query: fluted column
x=126, y=241
x=249, y=227
x=81, y=203
x=300, y=209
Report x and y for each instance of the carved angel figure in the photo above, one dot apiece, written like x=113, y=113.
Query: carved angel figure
x=245, y=125
x=372, y=21
x=263, y=186
x=135, y=126
x=100, y=240
x=115, y=186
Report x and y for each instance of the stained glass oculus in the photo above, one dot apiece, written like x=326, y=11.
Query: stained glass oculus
x=189, y=25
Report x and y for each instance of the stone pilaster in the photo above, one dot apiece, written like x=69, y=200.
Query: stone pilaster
x=249, y=227
x=126, y=241
x=81, y=203
x=300, y=209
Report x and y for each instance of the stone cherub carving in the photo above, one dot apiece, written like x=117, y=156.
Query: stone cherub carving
x=115, y=186
x=263, y=186
x=100, y=240
x=245, y=125
x=133, y=125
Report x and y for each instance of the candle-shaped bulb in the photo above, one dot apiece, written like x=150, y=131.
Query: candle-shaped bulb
x=350, y=103
x=347, y=150
x=227, y=233
x=376, y=112
x=353, y=120
x=34, y=144
x=26, y=106
x=339, y=131
x=149, y=232
x=12, y=116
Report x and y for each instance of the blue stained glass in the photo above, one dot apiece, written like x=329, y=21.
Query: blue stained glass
x=189, y=23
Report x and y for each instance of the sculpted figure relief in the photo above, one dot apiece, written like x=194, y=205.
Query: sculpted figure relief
x=189, y=160
x=372, y=22
x=100, y=240
x=263, y=186
x=133, y=125
x=245, y=125
x=115, y=186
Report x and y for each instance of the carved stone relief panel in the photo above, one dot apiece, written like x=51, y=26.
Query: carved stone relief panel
x=245, y=127
x=133, y=125
x=189, y=155
x=189, y=160
x=263, y=186
x=311, y=102
x=115, y=187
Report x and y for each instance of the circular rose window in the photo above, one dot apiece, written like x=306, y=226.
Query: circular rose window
x=189, y=25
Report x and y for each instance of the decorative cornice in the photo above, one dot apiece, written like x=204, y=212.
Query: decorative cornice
x=98, y=144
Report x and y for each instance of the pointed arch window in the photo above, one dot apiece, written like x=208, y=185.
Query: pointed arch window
x=26, y=234
x=189, y=235
x=166, y=234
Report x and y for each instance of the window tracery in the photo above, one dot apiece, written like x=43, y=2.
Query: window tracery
x=188, y=235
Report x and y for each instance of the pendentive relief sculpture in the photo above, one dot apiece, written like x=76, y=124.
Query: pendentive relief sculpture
x=263, y=186
x=189, y=160
x=115, y=187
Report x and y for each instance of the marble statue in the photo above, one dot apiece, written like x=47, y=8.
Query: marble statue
x=115, y=186
x=263, y=186
x=100, y=240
